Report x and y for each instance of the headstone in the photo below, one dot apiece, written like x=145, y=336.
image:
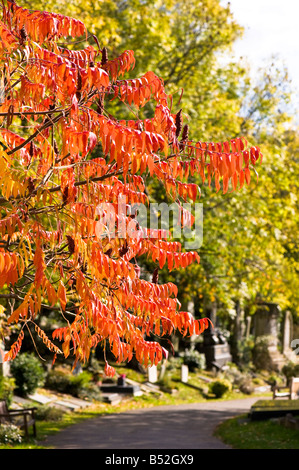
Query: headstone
x=237, y=331
x=78, y=369
x=184, y=373
x=266, y=320
x=214, y=347
x=163, y=370
x=121, y=381
x=152, y=374
x=266, y=324
x=288, y=341
x=287, y=335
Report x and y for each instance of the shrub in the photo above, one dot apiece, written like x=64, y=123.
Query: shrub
x=246, y=385
x=96, y=369
x=49, y=413
x=10, y=434
x=166, y=383
x=240, y=380
x=174, y=363
x=245, y=350
x=90, y=391
x=193, y=359
x=261, y=356
x=81, y=385
x=290, y=370
x=7, y=386
x=58, y=380
x=220, y=387
x=28, y=374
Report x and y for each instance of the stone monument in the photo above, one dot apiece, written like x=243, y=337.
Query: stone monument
x=287, y=333
x=266, y=321
x=184, y=373
x=214, y=346
x=287, y=338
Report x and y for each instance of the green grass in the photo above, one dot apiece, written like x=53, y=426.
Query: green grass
x=241, y=433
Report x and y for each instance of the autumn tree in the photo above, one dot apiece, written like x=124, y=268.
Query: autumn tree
x=70, y=174
x=248, y=250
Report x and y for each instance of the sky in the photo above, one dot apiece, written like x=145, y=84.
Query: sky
x=271, y=28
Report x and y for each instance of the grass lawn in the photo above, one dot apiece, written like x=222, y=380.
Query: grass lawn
x=241, y=433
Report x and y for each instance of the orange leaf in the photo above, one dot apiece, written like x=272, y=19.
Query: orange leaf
x=61, y=293
x=109, y=371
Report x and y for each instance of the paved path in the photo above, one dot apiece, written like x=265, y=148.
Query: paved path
x=187, y=426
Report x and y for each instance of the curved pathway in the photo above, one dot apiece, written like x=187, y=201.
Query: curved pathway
x=189, y=426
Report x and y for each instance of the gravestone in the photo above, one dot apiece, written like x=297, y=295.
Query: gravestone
x=239, y=326
x=152, y=374
x=184, y=373
x=237, y=332
x=266, y=321
x=163, y=370
x=287, y=334
x=214, y=346
x=78, y=369
x=287, y=338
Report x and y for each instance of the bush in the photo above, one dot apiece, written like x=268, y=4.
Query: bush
x=49, y=413
x=240, y=380
x=166, y=383
x=193, y=359
x=59, y=380
x=245, y=350
x=96, y=369
x=10, y=434
x=246, y=385
x=260, y=353
x=220, y=387
x=7, y=386
x=28, y=374
x=90, y=391
x=81, y=385
x=290, y=370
